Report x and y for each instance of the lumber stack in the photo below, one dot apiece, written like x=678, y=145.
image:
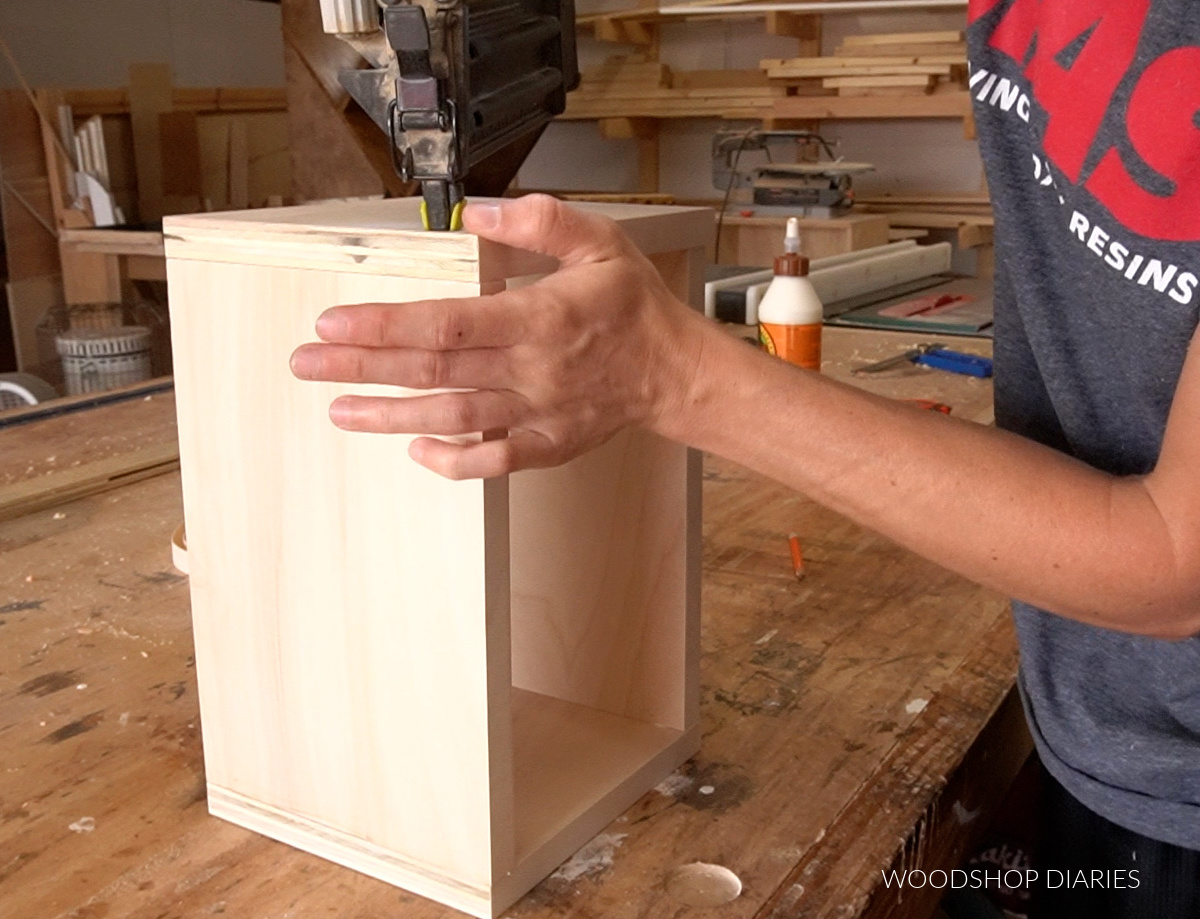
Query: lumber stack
x=626, y=87
x=965, y=204
x=970, y=215
x=894, y=64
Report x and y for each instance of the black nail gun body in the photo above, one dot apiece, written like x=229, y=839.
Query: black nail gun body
x=468, y=89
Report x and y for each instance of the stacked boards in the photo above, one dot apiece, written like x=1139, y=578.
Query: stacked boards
x=969, y=215
x=629, y=87
x=894, y=64
x=892, y=75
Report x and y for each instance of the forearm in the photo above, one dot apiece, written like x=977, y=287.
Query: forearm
x=1002, y=510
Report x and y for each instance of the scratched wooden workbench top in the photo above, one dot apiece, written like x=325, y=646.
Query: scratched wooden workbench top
x=834, y=711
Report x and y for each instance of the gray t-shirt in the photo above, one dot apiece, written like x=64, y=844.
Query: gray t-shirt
x=1088, y=114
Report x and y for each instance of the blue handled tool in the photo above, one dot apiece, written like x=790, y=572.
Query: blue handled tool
x=955, y=362
x=934, y=355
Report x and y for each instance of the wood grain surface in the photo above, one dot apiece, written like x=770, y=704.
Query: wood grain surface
x=385, y=237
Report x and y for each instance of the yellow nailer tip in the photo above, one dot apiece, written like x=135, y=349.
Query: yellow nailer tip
x=455, y=215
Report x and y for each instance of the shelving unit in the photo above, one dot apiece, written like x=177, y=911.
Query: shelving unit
x=906, y=75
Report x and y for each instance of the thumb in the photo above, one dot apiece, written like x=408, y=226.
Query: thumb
x=542, y=224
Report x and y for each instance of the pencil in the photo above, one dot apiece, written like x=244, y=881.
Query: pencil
x=797, y=558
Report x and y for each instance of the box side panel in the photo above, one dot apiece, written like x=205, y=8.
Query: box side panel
x=605, y=565
x=352, y=851
x=599, y=579
x=339, y=592
x=501, y=747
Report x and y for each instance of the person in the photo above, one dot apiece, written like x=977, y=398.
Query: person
x=1083, y=503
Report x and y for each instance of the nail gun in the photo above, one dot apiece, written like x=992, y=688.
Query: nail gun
x=463, y=89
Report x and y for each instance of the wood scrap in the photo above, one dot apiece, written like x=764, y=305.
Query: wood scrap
x=901, y=38
x=718, y=79
x=955, y=103
x=966, y=204
x=924, y=82
x=624, y=70
x=972, y=230
x=913, y=50
x=48, y=491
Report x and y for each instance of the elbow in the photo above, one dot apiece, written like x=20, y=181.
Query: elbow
x=1177, y=626
x=1160, y=601
x=1176, y=631
x=1179, y=617
x=1174, y=615
x=1165, y=561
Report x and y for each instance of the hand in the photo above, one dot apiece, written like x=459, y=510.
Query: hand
x=550, y=370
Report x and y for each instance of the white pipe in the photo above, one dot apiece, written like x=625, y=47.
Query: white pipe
x=805, y=6
x=864, y=270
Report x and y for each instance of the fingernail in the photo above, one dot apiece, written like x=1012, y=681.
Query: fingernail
x=330, y=325
x=340, y=413
x=304, y=363
x=482, y=215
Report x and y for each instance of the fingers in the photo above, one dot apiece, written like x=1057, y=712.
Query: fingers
x=539, y=223
x=410, y=367
x=449, y=414
x=435, y=325
x=520, y=450
x=444, y=413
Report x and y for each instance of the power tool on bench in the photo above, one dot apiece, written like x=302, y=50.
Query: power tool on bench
x=462, y=89
x=810, y=189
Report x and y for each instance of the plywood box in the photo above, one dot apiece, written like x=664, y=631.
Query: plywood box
x=448, y=685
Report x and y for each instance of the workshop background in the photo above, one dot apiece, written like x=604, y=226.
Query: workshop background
x=240, y=43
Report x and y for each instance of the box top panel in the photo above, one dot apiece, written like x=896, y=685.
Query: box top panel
x=384, y=236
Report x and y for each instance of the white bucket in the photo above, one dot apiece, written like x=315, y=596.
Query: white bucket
x=98, y=359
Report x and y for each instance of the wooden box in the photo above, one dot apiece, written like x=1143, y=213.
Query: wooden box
x=447, y=685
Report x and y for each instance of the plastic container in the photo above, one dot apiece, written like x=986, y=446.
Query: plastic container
x=98, y=359
x=790, y=315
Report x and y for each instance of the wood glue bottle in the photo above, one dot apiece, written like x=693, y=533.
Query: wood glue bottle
x=790, y=313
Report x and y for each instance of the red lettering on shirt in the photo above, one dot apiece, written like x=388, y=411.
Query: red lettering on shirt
x=1163, y=126
x=1075, y=53
x=1075, y=97
x=1015, y=32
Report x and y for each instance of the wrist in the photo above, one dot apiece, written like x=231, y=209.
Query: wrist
x=683, y=387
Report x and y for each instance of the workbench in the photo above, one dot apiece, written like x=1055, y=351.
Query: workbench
x=861, y=719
